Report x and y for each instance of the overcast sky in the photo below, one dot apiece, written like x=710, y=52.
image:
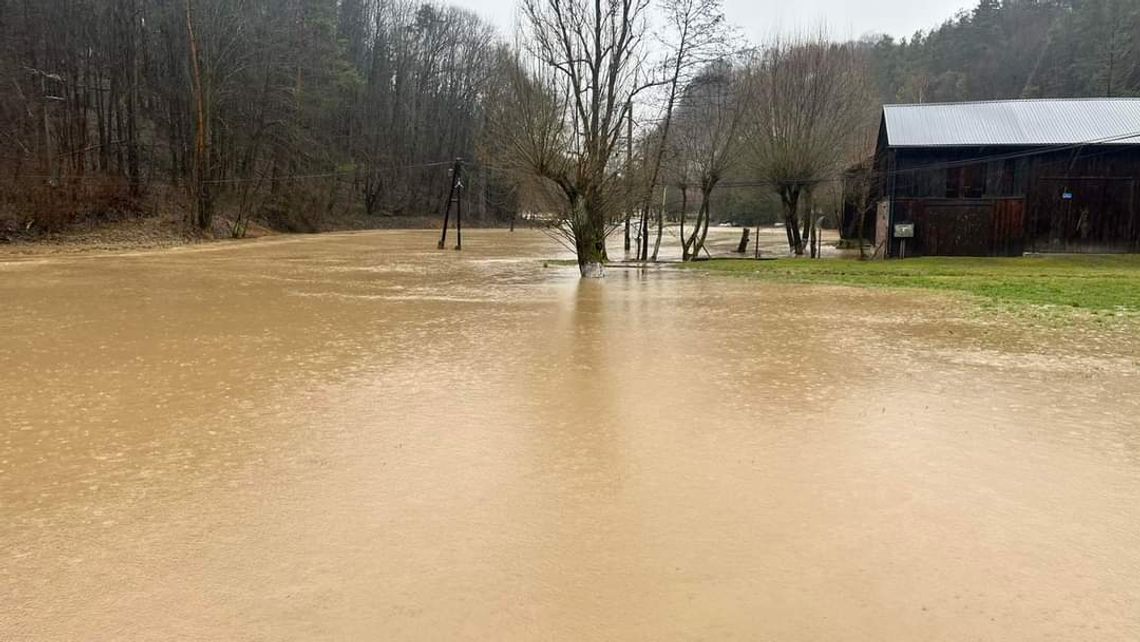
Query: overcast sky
x=760, y=19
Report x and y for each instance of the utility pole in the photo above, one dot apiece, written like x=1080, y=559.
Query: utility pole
x=455, y=196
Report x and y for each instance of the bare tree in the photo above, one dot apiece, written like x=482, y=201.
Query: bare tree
x=696, y=35
x=570, y=99
x=812, y=100
x=706, y=142
x=200, y=183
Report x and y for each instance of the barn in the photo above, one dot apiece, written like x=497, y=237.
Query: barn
x=1007, y=177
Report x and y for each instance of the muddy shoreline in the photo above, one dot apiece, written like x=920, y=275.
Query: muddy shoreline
x=155, y=233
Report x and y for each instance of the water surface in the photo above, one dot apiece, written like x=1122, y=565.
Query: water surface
x=358, y=436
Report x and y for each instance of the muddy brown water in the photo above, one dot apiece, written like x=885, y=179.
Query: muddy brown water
x=359, y=437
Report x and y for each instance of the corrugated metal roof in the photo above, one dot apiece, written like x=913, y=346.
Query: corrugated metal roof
x=1015, y=122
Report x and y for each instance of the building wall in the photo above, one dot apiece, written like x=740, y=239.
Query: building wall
x=962, y=227
x=1003, y=201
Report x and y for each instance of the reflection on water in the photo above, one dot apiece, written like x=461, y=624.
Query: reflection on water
x=358, y=436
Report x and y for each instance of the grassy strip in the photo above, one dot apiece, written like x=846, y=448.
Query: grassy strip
x=1109, y=283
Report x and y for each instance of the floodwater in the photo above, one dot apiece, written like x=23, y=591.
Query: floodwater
x=359, y=437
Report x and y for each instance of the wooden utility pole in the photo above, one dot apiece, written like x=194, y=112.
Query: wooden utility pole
x=455, y=196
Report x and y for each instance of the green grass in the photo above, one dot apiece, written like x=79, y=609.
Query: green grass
x=1096, y=283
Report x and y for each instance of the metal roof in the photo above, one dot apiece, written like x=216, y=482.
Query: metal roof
x=1014, y=122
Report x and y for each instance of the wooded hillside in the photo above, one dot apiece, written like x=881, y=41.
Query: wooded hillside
x=283, y=110
x=297, y=113
x=1017, y=49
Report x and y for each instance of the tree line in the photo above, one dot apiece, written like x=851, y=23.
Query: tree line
x=790, y=116
x=282, y=110
x=292, y=113
x=1007, y=49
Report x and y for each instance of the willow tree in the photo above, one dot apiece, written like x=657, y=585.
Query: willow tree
x=568, y=103
x=812, y=99
x=695, y=35
x=706, y=143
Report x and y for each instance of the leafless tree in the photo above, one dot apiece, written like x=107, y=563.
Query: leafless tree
x=706, y=143
x=812, y=98
x=695, y=35
x=571, y=95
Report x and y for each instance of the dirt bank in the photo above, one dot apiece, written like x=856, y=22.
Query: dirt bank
x=152, y=232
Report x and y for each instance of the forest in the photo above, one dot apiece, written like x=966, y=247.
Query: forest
x=1016, y=49
x=308, y=115
x=284, y=111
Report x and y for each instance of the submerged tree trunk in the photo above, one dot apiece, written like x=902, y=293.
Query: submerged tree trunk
x=589, y=232
x=809, y=218
x=660, y=223
x=643, y=252
x=790, y=196
x=696, y=241
x=758, y=237
x=797, y=240
x=591, y=259
x=692, y=241
x=628, y=172
x=684, y=206
x=706, y=204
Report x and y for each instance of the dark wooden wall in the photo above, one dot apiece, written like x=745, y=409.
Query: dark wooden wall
x=963, y=227
x=1098, y=216
x=1017, y=199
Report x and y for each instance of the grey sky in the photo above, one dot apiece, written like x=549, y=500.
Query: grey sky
x=760, y=19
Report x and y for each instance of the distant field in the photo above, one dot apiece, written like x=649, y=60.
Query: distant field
x=1110, y=283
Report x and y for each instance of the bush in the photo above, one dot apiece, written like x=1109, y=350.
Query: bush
x=31, y=209
x=289, y=212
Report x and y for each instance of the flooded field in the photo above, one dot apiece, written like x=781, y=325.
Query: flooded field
x=359, y=437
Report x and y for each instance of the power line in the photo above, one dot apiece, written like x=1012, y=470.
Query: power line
x=231, y=181
x=1018, y=155
x=1039, y=151
x=325, y=175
